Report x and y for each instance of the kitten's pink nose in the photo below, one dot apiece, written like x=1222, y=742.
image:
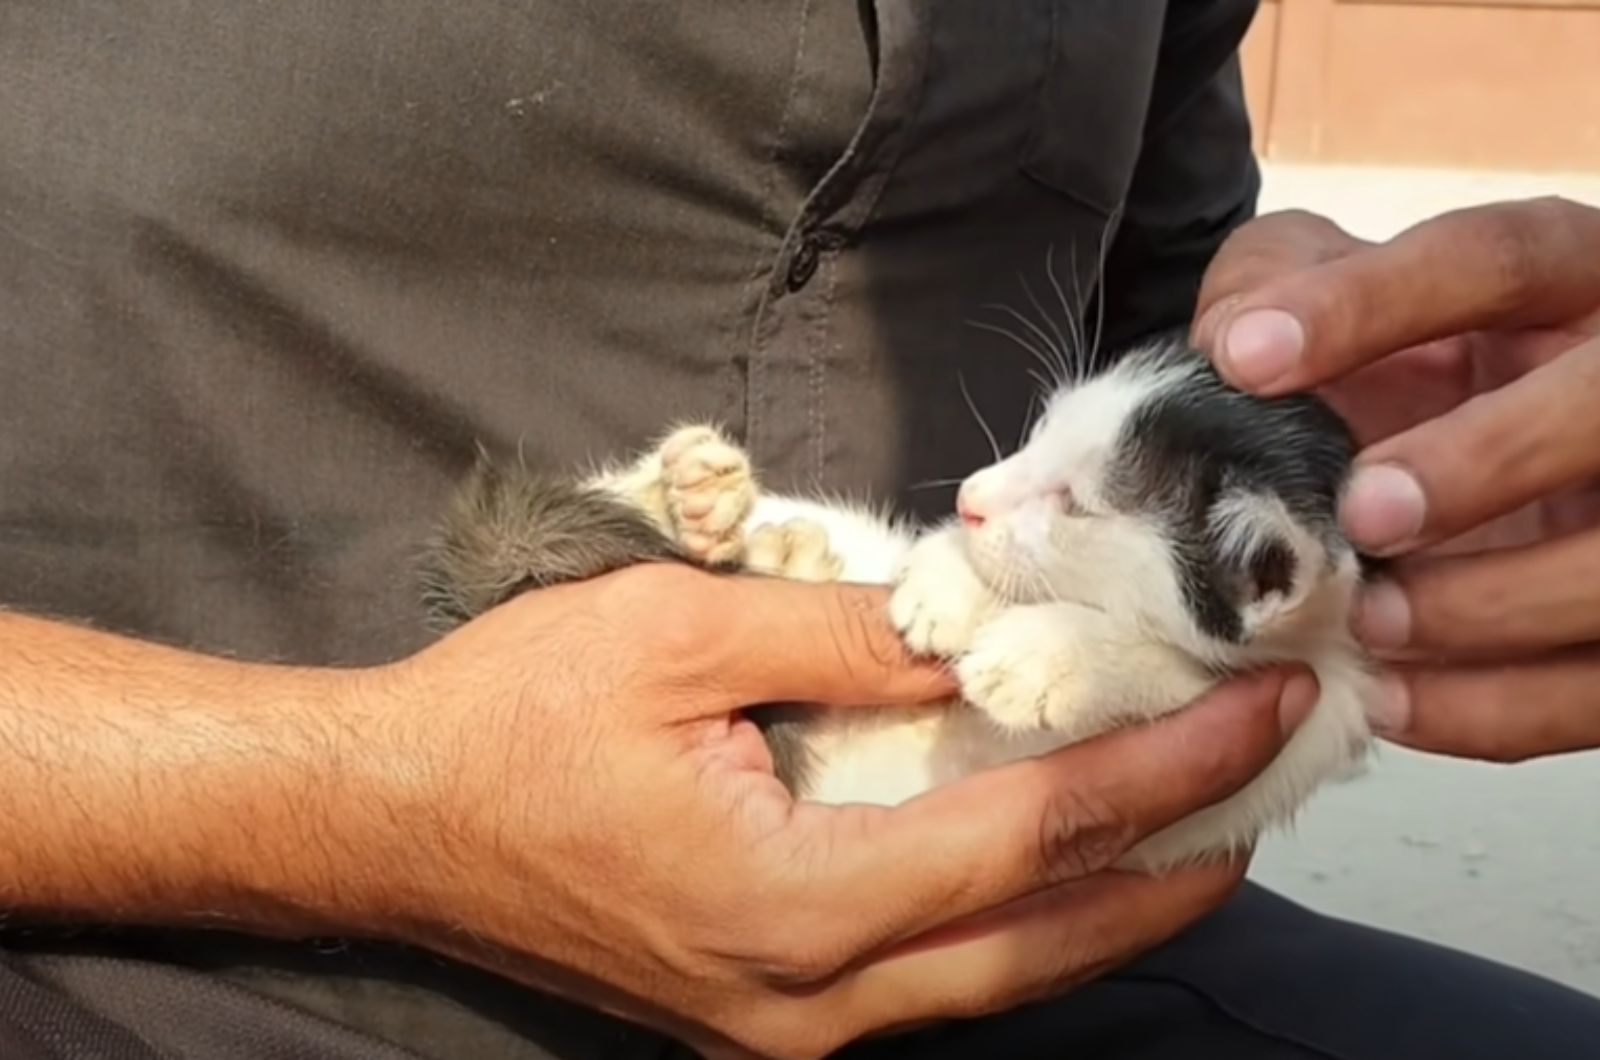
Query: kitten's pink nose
x=970, y=516
x=975, y=502
x=987, y=494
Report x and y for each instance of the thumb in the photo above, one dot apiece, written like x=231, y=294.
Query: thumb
x=1258, y=252
x=788, y=641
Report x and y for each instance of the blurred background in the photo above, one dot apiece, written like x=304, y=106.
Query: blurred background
x=1379, y=113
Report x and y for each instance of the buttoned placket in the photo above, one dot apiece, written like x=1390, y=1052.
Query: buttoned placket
x=787, y=381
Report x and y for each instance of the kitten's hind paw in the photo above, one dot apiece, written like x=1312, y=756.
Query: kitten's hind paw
x=710, y=490
x=797, y=549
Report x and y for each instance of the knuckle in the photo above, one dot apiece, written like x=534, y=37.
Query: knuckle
x=1286, y=238
x=803, y=964
x=858, y=619
x=656, y=591
x=1554, y=210
x=1079, y=834
x=1311, y=227
x=793, y=957
x=1513, y=239
x=662, y=581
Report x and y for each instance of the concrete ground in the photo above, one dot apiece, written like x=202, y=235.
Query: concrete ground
x=1500, y=861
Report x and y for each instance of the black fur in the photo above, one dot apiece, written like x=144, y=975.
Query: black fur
x=1198, y=443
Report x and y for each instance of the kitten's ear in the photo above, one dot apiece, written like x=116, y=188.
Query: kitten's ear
x=1269, y=561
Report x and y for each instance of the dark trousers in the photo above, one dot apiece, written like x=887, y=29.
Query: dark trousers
x=1263, y=979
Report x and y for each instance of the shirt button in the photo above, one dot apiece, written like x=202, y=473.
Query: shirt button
x=803, y=265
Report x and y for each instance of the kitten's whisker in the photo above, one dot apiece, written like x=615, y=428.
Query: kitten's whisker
x=1066, y=314
x=1061, y=339
x=1058, y=356
x=982, y=423
x=1072, y=315
x=1100, y=281
x=1059, y=363
x=1006, y=582
x=936, y=483
x=1028, y=417
x=1050, y=272
x=1085, y=356
x=1038, y=354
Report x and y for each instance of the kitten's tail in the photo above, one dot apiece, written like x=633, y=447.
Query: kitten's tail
x=509, y=529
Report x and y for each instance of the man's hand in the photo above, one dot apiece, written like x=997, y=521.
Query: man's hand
x=1466, y=355
x=586, y=811
x=564, y=791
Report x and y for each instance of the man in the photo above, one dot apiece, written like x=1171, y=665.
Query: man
x=274, y=270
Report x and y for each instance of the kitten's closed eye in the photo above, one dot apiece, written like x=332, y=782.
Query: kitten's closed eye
x=1079, y=505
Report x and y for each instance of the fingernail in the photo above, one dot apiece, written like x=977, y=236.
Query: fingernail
x=1295, y=702
x=1383, y=508
x=1383, y=616
x=1391, y=714
x=1262, y=346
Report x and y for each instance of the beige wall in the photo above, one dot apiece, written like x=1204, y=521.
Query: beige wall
x=1487, y=84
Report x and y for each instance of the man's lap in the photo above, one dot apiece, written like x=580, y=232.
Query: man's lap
x=1265, y=979
x=1262, y=979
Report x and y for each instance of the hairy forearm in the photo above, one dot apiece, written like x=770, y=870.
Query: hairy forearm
x=142, y=784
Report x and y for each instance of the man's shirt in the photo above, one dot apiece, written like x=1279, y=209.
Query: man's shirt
x=269, y=272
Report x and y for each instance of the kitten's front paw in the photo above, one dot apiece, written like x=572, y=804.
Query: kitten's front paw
x=1021, y=673
x=938, y=601
x=710, y=490
x=797, y=549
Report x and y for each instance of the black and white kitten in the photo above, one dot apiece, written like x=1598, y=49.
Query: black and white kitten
x=1157, y=531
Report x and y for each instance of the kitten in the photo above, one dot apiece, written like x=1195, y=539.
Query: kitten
x=1156, y=532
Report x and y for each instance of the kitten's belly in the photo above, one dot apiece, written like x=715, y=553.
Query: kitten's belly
x=884, y=756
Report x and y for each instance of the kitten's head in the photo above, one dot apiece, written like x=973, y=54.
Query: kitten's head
x=1156, y=491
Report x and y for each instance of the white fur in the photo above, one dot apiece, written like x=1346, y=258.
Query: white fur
x=1064, y=619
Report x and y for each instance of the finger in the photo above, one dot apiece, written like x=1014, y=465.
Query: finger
x=1267, y=248
x=1492, y=455
x=1026, y=827
x=1501, y=713
x=767, y=640
x=1509, y=265
x=1509, y=601
x=1399, y=392
x=1039, y=947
